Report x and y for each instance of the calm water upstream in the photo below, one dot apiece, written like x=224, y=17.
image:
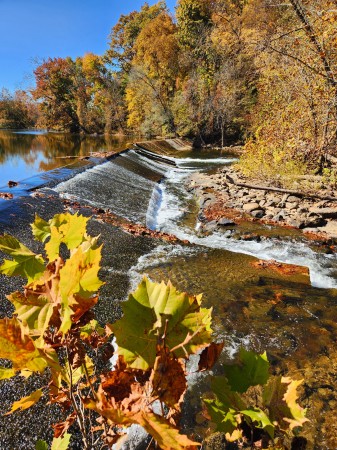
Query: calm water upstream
x=293, y=317
x=26, y=153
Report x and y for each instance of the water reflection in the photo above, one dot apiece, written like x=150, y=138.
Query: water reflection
x=24, y=154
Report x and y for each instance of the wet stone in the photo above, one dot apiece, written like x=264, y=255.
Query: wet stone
x=225, y=222
x=258, y=213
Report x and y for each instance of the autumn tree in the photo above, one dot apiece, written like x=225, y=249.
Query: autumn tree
x=78, y=96
x=124, y=34
x=294, y=121
x=17, y=110
x=153, y=74
x=56, y=92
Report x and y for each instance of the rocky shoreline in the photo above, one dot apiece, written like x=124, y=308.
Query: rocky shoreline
x=225, y=199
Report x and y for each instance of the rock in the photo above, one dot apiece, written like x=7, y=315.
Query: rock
x=313, y=222
x=251, y=196
x=260, y=197
x=293, y=198
x=273, y=198
x=226, y=222
x=210, y=226
x=249, y=207
x=280, y=216
x=330, y=228
x=216, y=441
x=206, y=199
x=330, y=213
x=291, y=205
x=283, y=201
x=258, y=213
x=297, y=222
x=251, y=237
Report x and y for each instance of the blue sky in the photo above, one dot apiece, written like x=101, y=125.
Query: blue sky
x=35, y=29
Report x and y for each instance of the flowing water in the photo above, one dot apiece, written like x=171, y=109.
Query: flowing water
x=293, y=317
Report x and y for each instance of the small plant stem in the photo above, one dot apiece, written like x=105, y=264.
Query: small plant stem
x=188, y=339
x=79, y=415
x=147, y=448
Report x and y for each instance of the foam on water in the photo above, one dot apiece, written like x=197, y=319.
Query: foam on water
x=158, y=255
x=322, y=267
x=111, y=186
x=126, y=186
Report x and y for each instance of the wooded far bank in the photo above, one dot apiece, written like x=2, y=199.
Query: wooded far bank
x=259, y=72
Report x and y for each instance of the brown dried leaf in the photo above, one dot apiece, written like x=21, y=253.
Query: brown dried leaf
x=168, y=379
x=76, y=351
x=62, y=427
x=210, y=355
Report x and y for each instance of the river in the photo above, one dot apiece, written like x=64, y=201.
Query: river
x=293, y=317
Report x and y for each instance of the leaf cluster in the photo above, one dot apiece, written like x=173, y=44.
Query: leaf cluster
x=247, y=398
x=54, y=327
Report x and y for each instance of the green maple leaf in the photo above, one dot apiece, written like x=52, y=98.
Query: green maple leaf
x=25, y=262
x=260, y=419
x=41, y=229
x=41, y=445
x=226, y=419
x=157, y=312
x=280, y=397
x=225, y=408
x=251, y=370
x=67, y=229
x=61, y=443
x=228, y=398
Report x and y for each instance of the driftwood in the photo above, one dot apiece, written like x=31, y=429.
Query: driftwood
x=93, y=155
x=282, y=191
x=70, y=157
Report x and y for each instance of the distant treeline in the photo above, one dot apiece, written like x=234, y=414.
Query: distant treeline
x=259, y=71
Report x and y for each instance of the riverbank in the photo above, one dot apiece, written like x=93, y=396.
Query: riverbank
x=226, y=198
